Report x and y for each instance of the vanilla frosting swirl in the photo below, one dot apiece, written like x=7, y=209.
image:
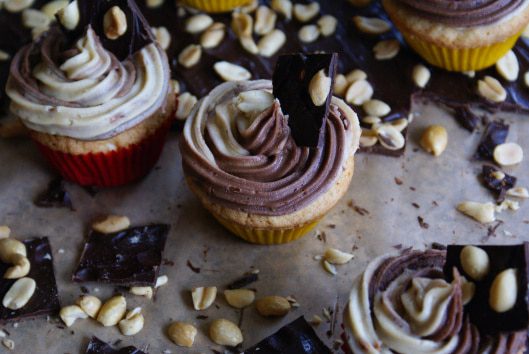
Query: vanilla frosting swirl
x=464, y=13
x=250, y=162
x=403, y=304
x=85, y=92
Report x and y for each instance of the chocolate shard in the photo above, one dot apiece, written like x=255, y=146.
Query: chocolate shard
x=497, y=181
x=130, y=257
x=488, y=321
x=97, y=346
x=297, y=337
x=246, y=280
x=45, y=300
x=291, y=80
x=55, y=196
x=138, y=33
x=495, y=134
x=466, y=117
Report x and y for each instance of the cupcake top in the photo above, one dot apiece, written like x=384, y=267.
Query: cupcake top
x=80, y=89
x=405, y=304
x=464, y=13
x=238, y=148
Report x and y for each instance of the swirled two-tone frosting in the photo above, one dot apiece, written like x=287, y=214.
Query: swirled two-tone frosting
x=403, y=304
x=464, y=13
x=248, y=161
x=85, y=92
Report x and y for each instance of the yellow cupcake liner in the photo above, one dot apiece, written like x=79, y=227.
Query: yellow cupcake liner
x=215, y=6
x=267, y=236
x=460, y=59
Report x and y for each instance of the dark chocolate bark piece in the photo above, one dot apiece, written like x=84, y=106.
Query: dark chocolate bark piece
x=130, y=257
x=480, y=313
x=495, y=134
x=97, y=346
x=297, y=337
x=45, y=300
x=497, y=181
x=292, y=76
x=137, y=36
x=55, y=196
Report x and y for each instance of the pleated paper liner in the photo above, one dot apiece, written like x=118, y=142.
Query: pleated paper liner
x=215, y=6
x=109, y=169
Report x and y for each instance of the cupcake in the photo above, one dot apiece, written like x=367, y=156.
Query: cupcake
x=417, y=302
x=241, y=160
x=215, y=6
x=96, y=98
x=464, y=35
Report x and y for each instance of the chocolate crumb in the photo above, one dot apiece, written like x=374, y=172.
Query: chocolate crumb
x=422, y=223
x=55, y=196
x=398, y=247
x=398, y=181
x=167, y=262
x=84, y=290
x=438, y=246
x=415, y=205
x=202, y=317
x=192, y=267
x=356, y=208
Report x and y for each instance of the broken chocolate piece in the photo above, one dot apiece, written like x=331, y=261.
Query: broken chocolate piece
x=55, y=196
x=138, y=33
x=128, y=258
x=497, y=181
x=495, y=134
x=97, y=346
x=45, y=300
x=291, y=80
x=466, y=118
x=297, y=337
x=480, y=313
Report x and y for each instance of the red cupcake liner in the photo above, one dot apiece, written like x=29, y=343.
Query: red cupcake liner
x=109, y=169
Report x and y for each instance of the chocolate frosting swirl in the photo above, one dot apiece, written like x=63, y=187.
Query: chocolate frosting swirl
x=463, y=13
x=251, y=163
x=403, y=304
x=84, y=91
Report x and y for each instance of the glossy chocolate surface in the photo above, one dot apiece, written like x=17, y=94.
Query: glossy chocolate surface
x=129, y=258
x=97, y=346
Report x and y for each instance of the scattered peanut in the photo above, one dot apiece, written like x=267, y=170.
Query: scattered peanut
x=359, y=92
x=212, y=37
x=142, y=291
x=239, y=298
x=356, y=75
x=5, y=231
x=386, y=49
x=17, y=5
x=504, y=291
x=421, y=75
x=270, y=44
x=4, y=55
x=340, y=85
x=69, y=15
x=390, y=137
x=8, y=343
x=518, y=192
x=112, y=311
x=508, y=66
x=434, y=139
x=329, y=268
x=254, y=101
x=481, y=212
x=468, y=289
x=508, y=154
x=154, y=3
x=376, y=108
x=371, y=25
x=308, y=33
x=198, y=23
x=132, y=323
x=272, y=306
x=114, y=23
x=475, y=262
x=186, y=102
x=163, y=37
x=20, y=268
x=265, y=20
x=19, y=293
x=203, y=298
x=335, y=256
x=89, y=304
x=51, y=8
x=231, y=72
x=190, y=56
x=241, y=24
x=224, y=332
x=112, y=224
x=306, y=12
x=182, y=334
x=491, y=89
x=161, y=281
x=70, y=314
x=327, y=25
x=32, y=18
x=320, y=88
x=283, y=7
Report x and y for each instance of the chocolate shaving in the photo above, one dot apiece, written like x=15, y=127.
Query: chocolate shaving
x=192, y=267
x=97, y=346
x=244, y=281
x=422, y=223
x=291, y=79
x=55, y=196
x=499, y=186
x=137, y=36
x=495, y=134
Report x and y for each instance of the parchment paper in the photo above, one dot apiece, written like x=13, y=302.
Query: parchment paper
x=436, y=185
